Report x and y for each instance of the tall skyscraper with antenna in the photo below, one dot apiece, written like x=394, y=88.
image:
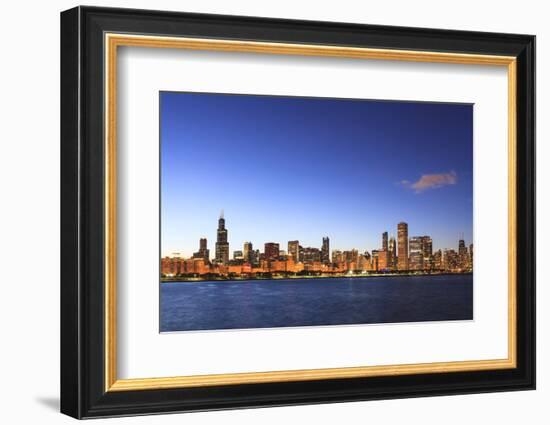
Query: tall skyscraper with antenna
x=222, y=246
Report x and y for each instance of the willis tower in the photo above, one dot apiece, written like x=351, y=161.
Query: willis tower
x=222, y=246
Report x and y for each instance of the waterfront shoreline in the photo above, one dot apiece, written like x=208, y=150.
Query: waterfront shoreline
x=295, y=277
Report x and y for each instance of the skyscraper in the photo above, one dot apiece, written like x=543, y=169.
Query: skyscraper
x=222, y=246
x=325, y=252
x=420, y=253
x=427, y=252
x=247, y=252
x=294, y=250
x=385, y=241
x=463, y=257
x=384, y=254
x=416, y=253
x=438, y=260
x=271, y=250
x=403, y=246
x=255, y=257
x=393, y=253
x=462, y=247
x=203, y=251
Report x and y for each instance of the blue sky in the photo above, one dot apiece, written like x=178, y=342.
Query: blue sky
x=285, y=168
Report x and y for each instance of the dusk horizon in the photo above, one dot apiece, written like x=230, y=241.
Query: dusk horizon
x=295, y=168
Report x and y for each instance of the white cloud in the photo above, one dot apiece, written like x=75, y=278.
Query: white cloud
x=431, y=181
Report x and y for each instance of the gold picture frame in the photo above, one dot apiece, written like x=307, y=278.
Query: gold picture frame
x=114, y=41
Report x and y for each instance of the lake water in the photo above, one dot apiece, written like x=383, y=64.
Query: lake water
x=186, y=306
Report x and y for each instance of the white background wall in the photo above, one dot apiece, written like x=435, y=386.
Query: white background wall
x=29, y=224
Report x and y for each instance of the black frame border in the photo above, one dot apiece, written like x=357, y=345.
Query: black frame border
x=82, y=212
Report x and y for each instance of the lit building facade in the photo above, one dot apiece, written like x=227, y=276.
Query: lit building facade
x=403, y=246
x=437, y=260
x=420, y=253
x=392, y=248
x=294, y=250
x=384, y=254
x=351, y=256
x=427, y=253
x=416, y=253
x=450, y=260
x=463, y=255
x=383, y=260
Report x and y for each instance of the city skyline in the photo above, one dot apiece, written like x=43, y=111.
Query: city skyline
x=283, y=171
x=386, y=239
x=405, y=255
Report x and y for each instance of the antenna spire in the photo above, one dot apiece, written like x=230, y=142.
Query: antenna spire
x=221, y=213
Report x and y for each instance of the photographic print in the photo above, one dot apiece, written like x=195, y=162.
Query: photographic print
x=307, y=191
x=282, y=211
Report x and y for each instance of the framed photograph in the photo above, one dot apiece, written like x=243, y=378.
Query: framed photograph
x=261, y=212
